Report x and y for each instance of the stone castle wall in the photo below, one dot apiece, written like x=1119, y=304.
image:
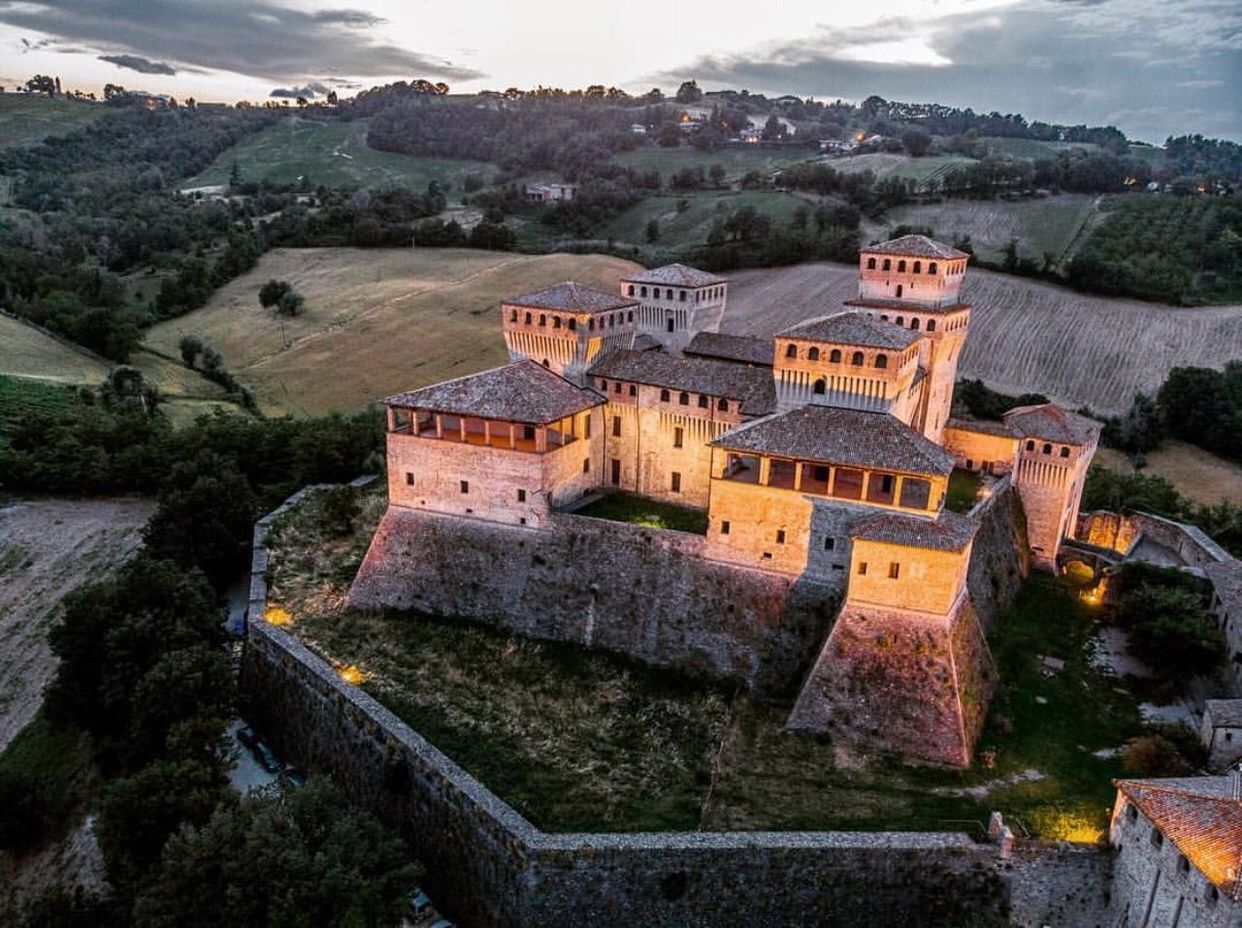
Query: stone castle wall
x=643, y=592
x=1001, y=556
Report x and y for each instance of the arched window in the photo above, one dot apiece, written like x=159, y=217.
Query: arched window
x=603, y=384
x=513, y=316
x=723, y=405
x=914, y=324
x=834, y=356
x=900, y=288
x=546, y=364
x=901, y=266
x=791, y=350
x=629, y=291
x=871, y=264
x=918, y=267
x=931, y=268
x=900, y=320
x=821, y=387
x=1047, y=448
x=1065, y=452
x=543, y=320
x=888, y=264
x=881, y=361
x=681, y=295
x=812, y=354
x=629, y=317
x=1030, y=446
x=668, y=294
x=884, y=317
x=683, y=398
x=644, y=291
x=704, y=401
x=931, y=325
x=663, y=396
x=573, y=325
x=528, y=318
x=556, y=322
x=857, y=360
x=590, y=325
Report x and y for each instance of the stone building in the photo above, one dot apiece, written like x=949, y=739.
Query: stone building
x=822, y=454
x=1221, y=732
x=1178, y=852
x=1225, y=576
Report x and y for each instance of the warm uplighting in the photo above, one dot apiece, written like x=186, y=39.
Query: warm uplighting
x=353, y=674
x=1074, y=828
x=1095, y=595
x=274, y=615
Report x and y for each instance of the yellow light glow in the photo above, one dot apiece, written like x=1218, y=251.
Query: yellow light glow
x=353, y=674
x=274, y=615
x=1075, y=829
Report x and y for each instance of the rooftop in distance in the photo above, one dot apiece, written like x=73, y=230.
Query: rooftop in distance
x=519, y=392
x=675, y=275
x=571, y=297
x=851, y=328
x=917, y=246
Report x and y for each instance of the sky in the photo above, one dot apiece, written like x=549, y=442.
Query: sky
x=1151, y=68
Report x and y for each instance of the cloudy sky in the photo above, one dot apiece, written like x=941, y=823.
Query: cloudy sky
x=1152, y=67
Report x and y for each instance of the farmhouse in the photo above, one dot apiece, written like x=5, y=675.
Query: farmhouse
x=820, y=455
x=550, y=192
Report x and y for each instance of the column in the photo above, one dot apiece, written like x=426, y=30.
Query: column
x=832, y=480
x=392, y=418
x=765, y=471
x=512, y=435
x=897, y=484
x=798, y=475
x=439, y=425
x=541, y=439
x=461, y=427
x=866, y=485
x=487, y=431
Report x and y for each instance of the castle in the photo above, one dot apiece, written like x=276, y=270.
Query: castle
x=824, y=452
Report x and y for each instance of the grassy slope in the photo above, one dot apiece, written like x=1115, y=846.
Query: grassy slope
x=332, y=153
x=25, y=119
x=19, y=396
x=376, y=321
x=885, y=164
x=27, y=352
x=1197, y=474
x=690, y=227
x=737, y=159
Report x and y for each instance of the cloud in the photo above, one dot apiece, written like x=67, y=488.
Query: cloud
x=139, y=64
x=258, y=38
x=1056, y=60
x=311, y=90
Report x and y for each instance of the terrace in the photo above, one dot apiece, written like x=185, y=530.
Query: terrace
x=814, y=478
x=491, y=433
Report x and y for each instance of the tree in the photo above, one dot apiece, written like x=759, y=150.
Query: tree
x=309, y=859
x=717, y=174
x=669, y=135
x=773, y=129
x=1170, y=631
x=271, y=292
x=916, y=141
x=338, y=508
x=653, y=231
x=654, y=95
x=41, y=83
x=689, y=92
x=184, y=687
x=235, y=177
x=290, y=303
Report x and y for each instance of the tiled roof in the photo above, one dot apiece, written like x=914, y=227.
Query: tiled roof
x=899, y=306
x=1227, y=712
x=572, y=297
x=675, y=275
x=1226, y=577
x=752, y=385
x=980, y=426
x=1200, y=817
x=841, y=436
x=645, y=342
x=746, y=349
x=519, y=392
x=853, y=329
x=919, y=246
x=948, y=532
x=1051, y=423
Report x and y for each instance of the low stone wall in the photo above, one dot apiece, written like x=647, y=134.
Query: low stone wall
x=1001, y=556
x=1124, y=532
x=643, y=592
x=493, y=869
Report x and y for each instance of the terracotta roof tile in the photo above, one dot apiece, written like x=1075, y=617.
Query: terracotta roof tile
x=675, y=275
x=1200, y=817
x=853, y=329
x=519, y=392
x=571, y=297
x=919, y=246
x=752, y=385
x=745, y=349
x=841, y=436
x=948, y=532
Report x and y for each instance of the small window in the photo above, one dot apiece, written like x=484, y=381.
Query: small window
x=900, y=320
x=894, y=570
x=556, y=322
x=543, y=320
x=901, y=266
x=820, y=387
x=888, y=265
x=682, y=295
x=586, y=426
x=678, y=437
x=590, y=325
x=616, y=387
x=1030, y=446
x=857, y=359
x=724, y=527
x=791, y=350
x=573, y=325
x=830, y=544
x=616, y=426
x=644, y=291
x=1065, y=452
x=918, y=267
x=629, y=291
x=862, y=568
x=931, y=268
x=633, y=390
x=881, y=361
x=914, y=324
x=521, y=496
x=723, y=405
x=676, y=482
x=1183, y=865
x=1157, y=839
x=684, y=398
x=663, y=396
x=586, y=465
x=1047, y=448
x=871, y=264
x=812, y=354
x=603, y=385
x=668, y=293
x=629, y=317
x=1131, y=812
x=835, y=356
x=522, y=520
x=513, y=316
x=409, y=479
x=1228, y=736
x=780, y=536
x=528, y=318
x=704, y=401
x=465, y=486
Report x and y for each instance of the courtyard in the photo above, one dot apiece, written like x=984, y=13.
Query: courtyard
x=580, y=740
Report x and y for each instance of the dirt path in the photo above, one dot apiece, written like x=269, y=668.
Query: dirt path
x=48, y=548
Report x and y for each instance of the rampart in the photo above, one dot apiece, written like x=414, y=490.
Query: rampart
x=1127, y=532
x=1001, y=557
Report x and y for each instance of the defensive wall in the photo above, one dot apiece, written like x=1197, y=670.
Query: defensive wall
x=493, y=869
x=1127, y=532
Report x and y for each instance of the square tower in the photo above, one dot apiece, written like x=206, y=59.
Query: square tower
x=678, y=302
x=566, y=328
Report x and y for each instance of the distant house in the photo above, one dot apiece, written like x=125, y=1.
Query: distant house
x=551, y=193
x=750, y=135
x=837, y=146
x=638, y=128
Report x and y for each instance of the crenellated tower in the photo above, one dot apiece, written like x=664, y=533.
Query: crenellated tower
x=568, y=327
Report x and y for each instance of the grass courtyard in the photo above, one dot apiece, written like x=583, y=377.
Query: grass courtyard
x=580, y=740
x=638, y=510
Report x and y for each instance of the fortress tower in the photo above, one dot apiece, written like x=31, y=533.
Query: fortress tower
x=567, y=327
x=916, y=283
x=677, y=303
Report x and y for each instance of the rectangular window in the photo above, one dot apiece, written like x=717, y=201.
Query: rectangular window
x=894, y=570
x=830, y=544
x=586, y=426
x=780, y=536
x=678, y=436
x=633, y=390
x=409, y=479
x=465, y=486
x=676, y=482
x=862, y=568
x=616, y=426
x=521, y=496
x=724, y=527
x=586, y=465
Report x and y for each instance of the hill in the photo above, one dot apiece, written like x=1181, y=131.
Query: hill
x=1025, y=335
x=28, y=118
x=27, y=352
x=376, y=321
x=331, y=153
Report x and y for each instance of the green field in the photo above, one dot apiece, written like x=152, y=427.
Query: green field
x=335, y=154
x=638, y=510
x=886, y=164
x=689, y=228
x=737, y=159
x=19, y=397
x=1031, y=148
x=27, y=352
x=25, y=118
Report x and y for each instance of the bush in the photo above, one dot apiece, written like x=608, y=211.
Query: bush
x=272, y=291
x=1170, y=630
